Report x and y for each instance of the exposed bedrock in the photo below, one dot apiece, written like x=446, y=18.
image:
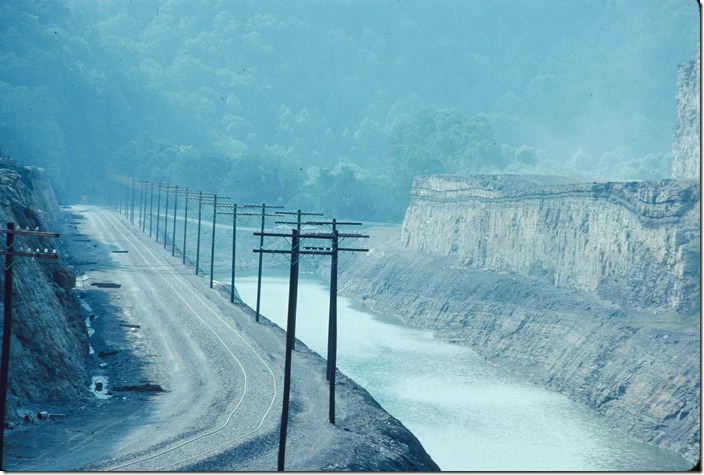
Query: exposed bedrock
x=686, y=136
x=589, y=289
x=635, y=242
x=49, y=343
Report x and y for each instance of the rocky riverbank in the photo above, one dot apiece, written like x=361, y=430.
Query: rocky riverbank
x=509, y=270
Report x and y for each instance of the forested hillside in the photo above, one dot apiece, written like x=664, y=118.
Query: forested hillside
x=335, y=105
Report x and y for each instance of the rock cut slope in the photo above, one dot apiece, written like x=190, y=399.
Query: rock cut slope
x=49, y=343
x=635, y=243
x=590, y=289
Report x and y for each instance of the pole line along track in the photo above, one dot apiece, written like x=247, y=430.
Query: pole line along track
x=217, y=315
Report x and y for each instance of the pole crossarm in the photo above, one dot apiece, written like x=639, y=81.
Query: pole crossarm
x=290, y=222
x=284, y=251
x=343, y=223
x=211, y=200
x=45, y=255
x=10, y=254
x=296, y=252
x=177, y=190
x=259, y=206
x=296, y=213
x=313, y=235
x=29, y=232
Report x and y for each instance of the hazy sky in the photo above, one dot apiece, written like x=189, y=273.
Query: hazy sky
x=324, y=82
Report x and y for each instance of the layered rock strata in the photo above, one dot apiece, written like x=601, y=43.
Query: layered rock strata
x=635, y=243
x=49, y=343
x=589, y=289
x=686, y=136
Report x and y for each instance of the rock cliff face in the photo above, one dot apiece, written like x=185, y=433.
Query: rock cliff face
x=589, y=289
x=635, y=243
x=685, y=139
x=49, y=338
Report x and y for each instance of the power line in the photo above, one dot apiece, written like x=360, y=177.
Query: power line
x=10, y=253
x=295, y=253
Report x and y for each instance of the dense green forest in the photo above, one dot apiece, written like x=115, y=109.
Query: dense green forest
x=335, y=105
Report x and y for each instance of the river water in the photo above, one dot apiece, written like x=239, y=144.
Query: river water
x=468, y=414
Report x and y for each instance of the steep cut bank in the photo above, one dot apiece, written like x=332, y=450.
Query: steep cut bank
x=49, y=343
x=686, y=136
x=635, y=243
x=590, y=289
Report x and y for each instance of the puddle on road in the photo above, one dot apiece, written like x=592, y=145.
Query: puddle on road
x=103, y=380
x=89, y=311
x=90, y=329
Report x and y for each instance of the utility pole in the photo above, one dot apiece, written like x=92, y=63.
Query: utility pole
x=234, y=252
x=173, y=234
x=293, y=287
x=200, y=206
x=158, y=211
x=166, y=214
x=203, y=199
x=259, y=273
x=332, y=331
x=151, y=206
x=212, y=242
x=263, y=206
x=290, y=337
x=144, y=218
x=132, y=205
x=234, y=247
x=185, y=228
x=332, y=312
x=234, y=213
x=141, y=194
x=10, y=253
x=298, y=215
x=127, y=200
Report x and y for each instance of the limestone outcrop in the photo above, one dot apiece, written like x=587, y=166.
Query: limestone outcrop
x=686, y=136
x=634, y=243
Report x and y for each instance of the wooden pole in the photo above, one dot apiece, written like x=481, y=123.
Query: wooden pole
x=290, y=337
x=6, y=334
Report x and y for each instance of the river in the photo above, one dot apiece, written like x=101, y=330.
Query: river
x=469, y=415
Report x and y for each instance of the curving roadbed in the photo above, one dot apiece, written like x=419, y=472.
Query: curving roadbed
x=192, y=382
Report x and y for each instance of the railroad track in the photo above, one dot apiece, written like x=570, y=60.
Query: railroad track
x=202, y=443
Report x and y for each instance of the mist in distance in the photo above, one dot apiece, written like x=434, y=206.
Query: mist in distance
x=335, y=105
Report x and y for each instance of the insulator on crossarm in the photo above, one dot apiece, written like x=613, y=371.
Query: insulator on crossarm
x=46, y=251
